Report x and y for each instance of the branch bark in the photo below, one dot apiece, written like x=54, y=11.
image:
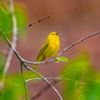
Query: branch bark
x=65, y=49
x=43, y=89
x=14, y=39
x=25, y=62
x=28, y=68
x=55, y=81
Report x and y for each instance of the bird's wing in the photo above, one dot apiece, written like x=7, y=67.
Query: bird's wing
x=41, y=55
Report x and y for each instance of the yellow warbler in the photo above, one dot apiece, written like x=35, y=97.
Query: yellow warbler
x=50, y=47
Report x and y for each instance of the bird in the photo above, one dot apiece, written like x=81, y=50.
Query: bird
x=50, y=47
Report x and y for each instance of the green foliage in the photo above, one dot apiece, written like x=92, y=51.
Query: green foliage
x=6, y=24
x=61, y=59
x=81, y=81
x=21, y=19
x=5, y=21
x=14, y=87
x=6, y=93
x=91, y=89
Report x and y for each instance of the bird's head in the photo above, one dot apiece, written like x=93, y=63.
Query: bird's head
x=53, y=35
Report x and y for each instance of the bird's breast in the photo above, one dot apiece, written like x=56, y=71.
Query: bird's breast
x=54, y=45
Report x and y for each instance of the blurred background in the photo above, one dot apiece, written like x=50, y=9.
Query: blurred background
x=73, y=19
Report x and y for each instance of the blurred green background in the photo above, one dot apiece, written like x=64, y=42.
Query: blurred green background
x=73, y=19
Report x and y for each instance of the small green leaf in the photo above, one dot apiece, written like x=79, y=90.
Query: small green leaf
x=61, y=59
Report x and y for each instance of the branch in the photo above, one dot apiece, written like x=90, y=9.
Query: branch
x=55, y=78
x=65, y=49
x=55, y=81
x=28, y=68
x=25, y=88
x=14, y=39
x=31, y=62
x=43, y=89
x=79, y=41
x=45, y=79
x=31, y=24
x=47, y=87
x=40, y=20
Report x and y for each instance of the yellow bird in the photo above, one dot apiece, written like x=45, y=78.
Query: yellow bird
x=50, y=47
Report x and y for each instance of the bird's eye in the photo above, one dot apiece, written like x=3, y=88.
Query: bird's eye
x=55, y=33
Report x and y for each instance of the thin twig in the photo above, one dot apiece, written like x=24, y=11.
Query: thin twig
x=25, y=87
x=40, y=20
x=55, y=81
x=79, y=41
x=14, y=39
x=65, y=49
x=54, y=78
x=28, y=68
x=47, y=87
x=43, y=89
x=52, y=60
x=31, y=24
x=45, y=79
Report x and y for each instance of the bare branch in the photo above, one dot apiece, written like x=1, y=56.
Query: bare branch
x=25, y=87
x=47, y=87
x=55, y=81
x=28, y=68
x=43, y=89
x=14, y=39
x=79, y=41
x=31, y=24
x=54, y=78
x=40, y=20
x=65, y=49
x=45, y=79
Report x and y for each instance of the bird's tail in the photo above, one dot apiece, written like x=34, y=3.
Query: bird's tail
x=39, y=59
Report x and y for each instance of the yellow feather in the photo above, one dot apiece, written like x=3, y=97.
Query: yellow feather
x=50, y=47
